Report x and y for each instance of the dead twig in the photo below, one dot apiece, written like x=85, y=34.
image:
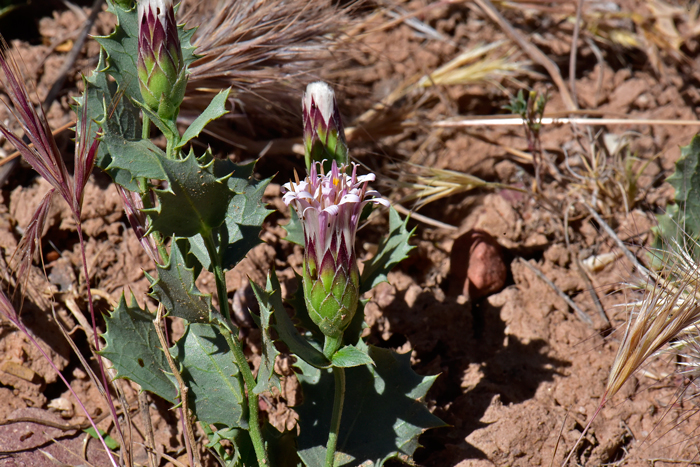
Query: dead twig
x=591, y=290
x=146, y=416
x=191, y=443
x=630, y=256
x=579, y=312
x=424, y=219
x=532, y=51
x=574, y=52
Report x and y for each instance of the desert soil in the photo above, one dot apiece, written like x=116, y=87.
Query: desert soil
x=520, y=373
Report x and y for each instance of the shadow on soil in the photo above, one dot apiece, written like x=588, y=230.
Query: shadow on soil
x=477, y=362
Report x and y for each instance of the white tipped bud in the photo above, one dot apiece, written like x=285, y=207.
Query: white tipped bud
x=322, y=95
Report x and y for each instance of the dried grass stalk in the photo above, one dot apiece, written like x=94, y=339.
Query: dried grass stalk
x=267, y=51
x=669, y=313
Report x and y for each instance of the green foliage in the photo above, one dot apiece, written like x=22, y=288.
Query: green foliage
x=245, y=215
x=294, y=229
x=681, y=222
x=122, y=46
x=195, y=201
x=382, y=417
x=109, y=441
x=216, y=391
x=215, y=109
x=134, y=349
x=271, y=299
x=351, y=356
x=393, y=249
x=176, y=290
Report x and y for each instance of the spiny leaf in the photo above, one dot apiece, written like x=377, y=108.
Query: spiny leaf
x=215, y=385
x=686, y=181
x=134, y=349
x=245, y=215
x=122, y=49
x=393, y=249
x=118, y=119
x=176, y=290
x=270, y=300
x=368, y=436
x=195, y=201
x=215, y=109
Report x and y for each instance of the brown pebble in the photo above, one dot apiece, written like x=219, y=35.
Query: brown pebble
x=52, y=255
x=476, y=265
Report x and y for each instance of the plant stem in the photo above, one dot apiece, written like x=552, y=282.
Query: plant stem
x=338, y=400
x=146, y=128
x=239, y=356
x=103, y=373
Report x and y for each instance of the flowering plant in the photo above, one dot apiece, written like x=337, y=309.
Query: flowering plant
x=196, y=214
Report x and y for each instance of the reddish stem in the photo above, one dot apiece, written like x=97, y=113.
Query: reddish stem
x=112, y=409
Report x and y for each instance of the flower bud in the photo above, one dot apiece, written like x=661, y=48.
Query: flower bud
x=161, y=68
x=324, y=137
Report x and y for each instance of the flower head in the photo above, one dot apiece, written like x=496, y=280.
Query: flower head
x=324, y=137
x=329, y=206
x=161, y=68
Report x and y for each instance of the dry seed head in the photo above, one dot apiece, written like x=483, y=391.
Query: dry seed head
x=668, y=314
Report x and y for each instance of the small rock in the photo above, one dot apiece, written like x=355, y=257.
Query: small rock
x=476, y=265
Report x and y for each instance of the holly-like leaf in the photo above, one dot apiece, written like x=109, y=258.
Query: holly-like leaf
x=216, y=391
x=116, y=117
x=215, y=109
x=122, y=49
x=270, y=300
x=393, y=249
x=245, y=215
x=176, y=290
x=383, y=414
x=195, y=201
x=134, y=349
x=685, y=217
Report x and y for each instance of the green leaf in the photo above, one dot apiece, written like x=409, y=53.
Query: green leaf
x=176, y=290
x=294, y=229
x=383, y=414
x=195, y=201
x=122, y=49
x=216, y=390
x=119, y=120
x=215, y=109
x=393, y=249
x=350, y=356
x=686, y=181
x=271, y=299
x=134, y=349
x=109, y=441
x=245, y=215
x=141, y=159
x=268, y=300
x=166, y=126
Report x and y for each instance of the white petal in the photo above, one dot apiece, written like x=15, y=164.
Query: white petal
x=322, y=94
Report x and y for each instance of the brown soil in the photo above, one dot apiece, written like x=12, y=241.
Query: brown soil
x=520, y=373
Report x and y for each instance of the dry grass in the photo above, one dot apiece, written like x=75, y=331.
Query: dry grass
x=669, y=313
x=266, y=51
